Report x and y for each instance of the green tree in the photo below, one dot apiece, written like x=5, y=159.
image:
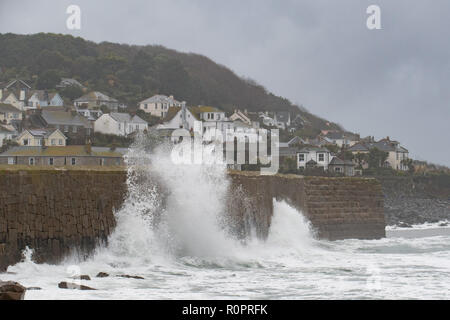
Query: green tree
x=377, y=158
x=48, y=79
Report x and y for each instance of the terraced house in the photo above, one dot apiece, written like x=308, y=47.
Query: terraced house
x=62, y=156
x=36, y=138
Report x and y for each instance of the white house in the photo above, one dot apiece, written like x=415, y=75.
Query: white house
x=159, y=105
x=119, y=124
x=313, y=157
x=7, y=132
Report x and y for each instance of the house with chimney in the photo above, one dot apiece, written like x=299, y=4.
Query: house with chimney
x=119, y=124
x=41, y=137
x=312, y=157
x=75, y=127
x=158, y=105
x=95, y=100
x=15, y=93
x=396, y=153
x=81, y=155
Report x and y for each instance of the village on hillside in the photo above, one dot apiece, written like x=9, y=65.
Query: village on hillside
x=39, y=127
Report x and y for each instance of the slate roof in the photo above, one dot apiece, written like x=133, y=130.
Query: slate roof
x=17, y=80
x=339, y=162
x=42, y=132
x=383, y=145
x=95, y=96
x=309, y=149
x=160, y=98
x=126, y=117
x=64, y=118
x=66, y=151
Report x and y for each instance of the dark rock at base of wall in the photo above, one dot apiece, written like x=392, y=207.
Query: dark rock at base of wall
x=10, y=290
x=416, y=199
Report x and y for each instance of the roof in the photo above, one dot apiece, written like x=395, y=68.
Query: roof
x=316, y=149
x=201, y=109
x=69, y=82
x=95, y=96
x=42, y=132
x=160, y=98
x=126, y=117
x=8, y=108
x=63, y=118
x=171, y=113
x=339, y=162
x=42, y=95
x=287, y=151
x=18, y=80
x=383, y=145
x=67, y=151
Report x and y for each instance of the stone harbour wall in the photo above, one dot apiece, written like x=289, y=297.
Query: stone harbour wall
x=56, y=211
x=338, y=208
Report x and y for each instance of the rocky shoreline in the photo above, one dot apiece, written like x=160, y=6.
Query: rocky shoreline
x=415, y=200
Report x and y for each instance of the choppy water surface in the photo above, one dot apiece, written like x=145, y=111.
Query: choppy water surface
x=190, y=256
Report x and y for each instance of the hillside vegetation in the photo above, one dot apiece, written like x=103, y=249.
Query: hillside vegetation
x=132, y=73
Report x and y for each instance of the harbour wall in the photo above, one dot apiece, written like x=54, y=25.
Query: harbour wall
x=55, y=212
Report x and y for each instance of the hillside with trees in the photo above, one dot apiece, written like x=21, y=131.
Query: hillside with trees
x=133, y=73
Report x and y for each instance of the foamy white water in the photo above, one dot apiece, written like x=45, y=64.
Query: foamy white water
x=178, y=241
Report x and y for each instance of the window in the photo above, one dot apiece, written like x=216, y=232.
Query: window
x=31, y=161
x=53, y=142
x=60, y=142
x=321, y=157
x=25, y=142
x=102, y=162
x=66, y=128
x=301, y=157
x=74, y=129
x=73, y=161
x=50, y=161
x=39, y=142
x=11, y=160
x=337, y=169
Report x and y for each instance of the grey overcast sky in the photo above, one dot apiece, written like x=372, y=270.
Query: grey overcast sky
x=390, y=82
